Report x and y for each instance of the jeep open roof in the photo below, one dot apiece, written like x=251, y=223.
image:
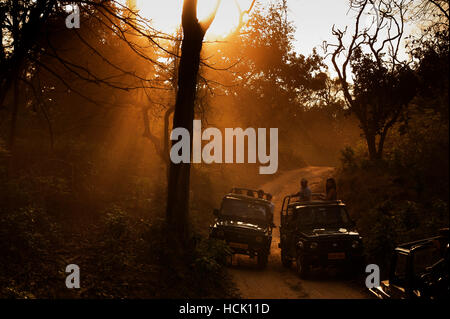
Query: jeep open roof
x=418, y=244
x=249, y=194
x=317, y=200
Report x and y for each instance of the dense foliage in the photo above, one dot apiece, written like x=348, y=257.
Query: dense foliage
x=405, y=196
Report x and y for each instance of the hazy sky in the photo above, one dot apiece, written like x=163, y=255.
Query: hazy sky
x=313, y=19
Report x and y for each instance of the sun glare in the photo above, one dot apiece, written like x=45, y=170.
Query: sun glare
x=166, y=15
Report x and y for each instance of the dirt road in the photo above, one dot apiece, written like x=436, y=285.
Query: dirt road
x=276, y=281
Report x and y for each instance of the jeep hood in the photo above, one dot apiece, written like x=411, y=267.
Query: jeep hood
x=335, y=232
x=239, y=224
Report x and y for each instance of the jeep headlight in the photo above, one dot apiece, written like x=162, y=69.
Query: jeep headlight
x=355, y=244
x=313, y=245
x=259, y=239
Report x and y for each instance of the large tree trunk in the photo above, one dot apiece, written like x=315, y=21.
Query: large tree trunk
x=371, y=146
x=381, y=143
x=179, y=174
x=14, y=111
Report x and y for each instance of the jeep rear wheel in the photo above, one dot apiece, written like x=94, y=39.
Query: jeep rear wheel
x=285, y=260
x=302, y=266
x=263, y=258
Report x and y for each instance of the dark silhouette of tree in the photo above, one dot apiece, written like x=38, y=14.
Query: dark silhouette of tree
x=179, y=174
x=271, y=85
x=430, y=51
x=380, y=96
x=383, y=86
x=34, y=37
x=432, y=8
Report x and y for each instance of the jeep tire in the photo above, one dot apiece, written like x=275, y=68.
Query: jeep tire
x=262, y=260
x=285, y=260
x=302, y=266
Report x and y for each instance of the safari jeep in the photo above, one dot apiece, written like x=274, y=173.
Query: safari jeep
x=245, y=222
x=419, y=270
x=318, y=233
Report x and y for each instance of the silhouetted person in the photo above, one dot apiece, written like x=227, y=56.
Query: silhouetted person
x=260, y=193
x=305, y=192
x=330, y=188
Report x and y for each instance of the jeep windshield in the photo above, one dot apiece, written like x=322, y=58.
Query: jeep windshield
x=321, y=217
x=243, y=210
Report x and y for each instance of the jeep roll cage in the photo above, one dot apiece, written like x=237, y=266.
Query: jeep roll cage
x=251, y=193
x=248, y=195
x=317, y=199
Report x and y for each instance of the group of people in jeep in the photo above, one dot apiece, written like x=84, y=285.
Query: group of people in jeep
x=305, y=192
x=260, y=193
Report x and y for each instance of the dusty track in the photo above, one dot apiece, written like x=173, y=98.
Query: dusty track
x=278, y=282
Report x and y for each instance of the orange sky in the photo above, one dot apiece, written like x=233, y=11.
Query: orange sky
x=313, y=19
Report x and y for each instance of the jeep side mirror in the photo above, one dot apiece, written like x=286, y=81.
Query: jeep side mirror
x=216, y=212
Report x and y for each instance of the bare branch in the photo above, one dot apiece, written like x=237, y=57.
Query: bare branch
x=209, y=20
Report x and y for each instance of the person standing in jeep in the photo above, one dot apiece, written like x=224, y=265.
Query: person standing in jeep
x=330, y=189
x=305, y=192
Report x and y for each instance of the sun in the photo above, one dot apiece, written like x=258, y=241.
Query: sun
x=166, y=15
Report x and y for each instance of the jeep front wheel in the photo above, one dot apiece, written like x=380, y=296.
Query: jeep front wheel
x=285, y=260
x=302, y=266
x=263, y=258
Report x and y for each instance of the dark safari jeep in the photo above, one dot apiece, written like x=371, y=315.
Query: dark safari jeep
x=318, y=233
x=419, y=270
x=245, y=222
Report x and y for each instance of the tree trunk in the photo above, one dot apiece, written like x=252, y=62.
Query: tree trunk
x=371, y=146
x=14, y=111
x=381, y=143
x=179, y=174
x=167, y=140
